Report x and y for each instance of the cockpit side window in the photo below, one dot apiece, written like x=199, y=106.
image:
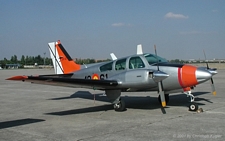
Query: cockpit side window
x=106, y=67
x=120, y=64
x=136, y=62
x=152, y=59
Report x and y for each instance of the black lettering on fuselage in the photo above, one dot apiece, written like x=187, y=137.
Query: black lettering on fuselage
x=87, y=77
x=102, y=76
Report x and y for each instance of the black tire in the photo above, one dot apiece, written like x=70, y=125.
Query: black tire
x=193, y=107
x=120, y=106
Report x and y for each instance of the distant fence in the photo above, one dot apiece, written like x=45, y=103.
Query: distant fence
x=211, y=65
x=38, y=66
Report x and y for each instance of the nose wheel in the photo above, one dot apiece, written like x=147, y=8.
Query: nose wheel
x=193, y=107
x=119, y=107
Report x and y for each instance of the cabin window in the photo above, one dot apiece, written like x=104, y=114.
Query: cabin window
x=136, y=62
x=120, y=64
x=106, y=67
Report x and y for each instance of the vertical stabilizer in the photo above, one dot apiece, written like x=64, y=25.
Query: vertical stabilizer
x=61, y=60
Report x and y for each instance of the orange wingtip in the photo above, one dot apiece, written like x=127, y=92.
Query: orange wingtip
x=17, y=78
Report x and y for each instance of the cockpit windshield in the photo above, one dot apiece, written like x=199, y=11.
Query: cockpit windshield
x=152, y=59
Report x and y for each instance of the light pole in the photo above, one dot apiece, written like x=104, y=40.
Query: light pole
x=44, y=59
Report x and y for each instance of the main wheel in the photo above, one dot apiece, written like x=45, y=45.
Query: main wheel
x=167, y=98
x=193, y=107
x=119, y=107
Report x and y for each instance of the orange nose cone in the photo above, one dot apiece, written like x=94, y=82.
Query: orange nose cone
x=187, y=76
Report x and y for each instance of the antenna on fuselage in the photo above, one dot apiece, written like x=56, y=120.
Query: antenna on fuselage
x=113, y=56
x=139, y=49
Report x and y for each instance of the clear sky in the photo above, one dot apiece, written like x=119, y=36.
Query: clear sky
x=95, y=28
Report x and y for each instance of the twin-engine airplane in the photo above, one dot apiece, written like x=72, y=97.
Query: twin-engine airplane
x=139, y=72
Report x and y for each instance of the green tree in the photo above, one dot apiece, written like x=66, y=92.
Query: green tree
x=26, y=60
x=22, y=60
x=38, y=59
x=13, y=59
x=48, y=61
x=4, y=62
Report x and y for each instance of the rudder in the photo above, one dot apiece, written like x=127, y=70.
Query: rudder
x=61, y=60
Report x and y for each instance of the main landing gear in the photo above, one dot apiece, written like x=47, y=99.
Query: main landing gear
x=119, y=107
x=193, y=106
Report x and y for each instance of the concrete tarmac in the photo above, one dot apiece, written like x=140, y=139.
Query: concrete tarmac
x=49, y=113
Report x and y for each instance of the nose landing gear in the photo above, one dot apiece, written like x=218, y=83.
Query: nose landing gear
x=193, y=106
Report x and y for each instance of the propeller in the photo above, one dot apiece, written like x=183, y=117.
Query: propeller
x=160, y=86
x=212, y=83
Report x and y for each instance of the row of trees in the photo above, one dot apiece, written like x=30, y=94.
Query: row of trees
x=195, y=61
x=178, y=61
x=31, y=60
x=88, y=61
x=28, y=60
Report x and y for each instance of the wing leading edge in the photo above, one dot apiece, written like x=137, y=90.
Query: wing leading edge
x=66, y=81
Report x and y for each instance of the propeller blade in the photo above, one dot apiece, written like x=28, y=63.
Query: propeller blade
x=213, y=87
x=212, y=72
x=205, y=60
x=162, y=94
x=155, y=50
x=157, y=57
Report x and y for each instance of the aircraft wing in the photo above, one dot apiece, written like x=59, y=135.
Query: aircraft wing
x=66, y=81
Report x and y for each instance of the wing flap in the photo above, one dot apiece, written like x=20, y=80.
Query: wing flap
x=66, y=81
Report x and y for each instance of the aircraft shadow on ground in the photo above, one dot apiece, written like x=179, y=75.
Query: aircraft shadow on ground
x=84, y=95
x=83, y=110
x=196, y=94
x=183, y=100
x=132, y=102
x=13, y=123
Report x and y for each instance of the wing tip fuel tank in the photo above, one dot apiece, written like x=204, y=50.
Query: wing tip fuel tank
x=19, y=77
